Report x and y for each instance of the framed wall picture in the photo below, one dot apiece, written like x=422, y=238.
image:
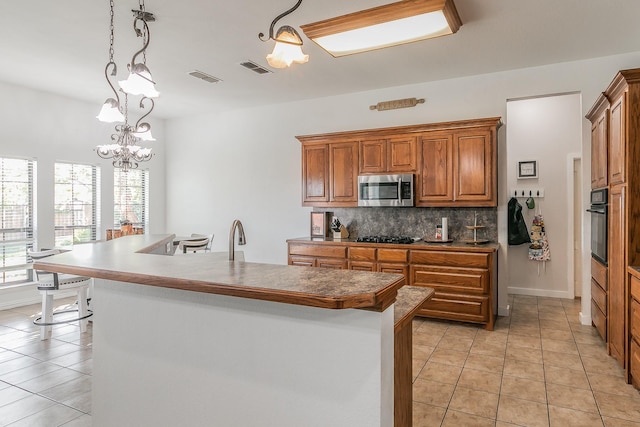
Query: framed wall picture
x=528, y=169
x=320, y=224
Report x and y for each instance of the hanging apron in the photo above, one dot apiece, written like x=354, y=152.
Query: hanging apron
x=539, y=247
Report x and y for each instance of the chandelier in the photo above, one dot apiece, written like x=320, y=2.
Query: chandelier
x=124, y=148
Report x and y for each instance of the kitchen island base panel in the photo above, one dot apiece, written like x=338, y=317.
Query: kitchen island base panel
x=169, y=357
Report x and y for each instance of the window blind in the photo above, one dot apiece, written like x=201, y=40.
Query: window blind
x=17, y=216
x=131, y=197
x=76, y=203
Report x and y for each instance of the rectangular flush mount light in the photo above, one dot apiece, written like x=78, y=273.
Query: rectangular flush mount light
x=389, y=25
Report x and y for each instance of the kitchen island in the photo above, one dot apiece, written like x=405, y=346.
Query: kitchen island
x=199, y=340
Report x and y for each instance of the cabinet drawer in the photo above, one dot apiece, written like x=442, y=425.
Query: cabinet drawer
x=331, y=263
x=395, y=268
x=362, y=254
x=362, y=265
x=599, y=273
x=634, y=320
x=450, y=259
x=457, y=307
x=635, y=363
x=318, y=250
x=302, y=260
x=393, y=255
x=599, y=296
x=599, y=320
x=635, y=287
x=447, y=279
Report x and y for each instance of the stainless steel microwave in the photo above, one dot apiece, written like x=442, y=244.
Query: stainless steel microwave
x=385, y=190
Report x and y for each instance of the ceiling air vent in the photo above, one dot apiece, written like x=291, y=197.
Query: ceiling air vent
x=254, y=67
x=204, y=76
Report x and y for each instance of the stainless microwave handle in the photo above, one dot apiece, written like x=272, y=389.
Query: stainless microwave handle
x=400, y=190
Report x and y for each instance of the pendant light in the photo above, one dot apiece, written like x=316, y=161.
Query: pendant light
x=288, y=47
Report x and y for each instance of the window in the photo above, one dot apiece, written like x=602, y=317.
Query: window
x=76, y=203
x=131, y=197
x=16, y=209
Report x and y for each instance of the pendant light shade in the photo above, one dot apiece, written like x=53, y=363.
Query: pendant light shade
x=139, y=82
x=110, y=112
x=384, y=26
x=288, y=49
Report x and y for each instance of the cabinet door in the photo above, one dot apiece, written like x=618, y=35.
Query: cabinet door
x=373, y=156
x=474, y=168
x=436, y=160
x=315, y=178
x=617, y=274
x=402, y=154
x=617, y=141
x=343, y=174
x=599, y=151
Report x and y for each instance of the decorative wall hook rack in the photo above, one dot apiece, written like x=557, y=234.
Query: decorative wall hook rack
x=527, y=192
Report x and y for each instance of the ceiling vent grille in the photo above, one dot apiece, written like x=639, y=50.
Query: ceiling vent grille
x=204, y=76
x=254, y=67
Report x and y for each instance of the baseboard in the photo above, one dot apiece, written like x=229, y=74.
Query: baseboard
x=539, y=292
x=585, y=320
x=504, y=311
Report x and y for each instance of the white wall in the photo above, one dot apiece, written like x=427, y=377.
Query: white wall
x=246, y=164
x=548, y=130
x=50, y=128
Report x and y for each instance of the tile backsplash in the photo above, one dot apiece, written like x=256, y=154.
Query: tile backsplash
x=417, y=222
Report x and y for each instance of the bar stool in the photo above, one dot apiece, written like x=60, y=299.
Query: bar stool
x=50, y=284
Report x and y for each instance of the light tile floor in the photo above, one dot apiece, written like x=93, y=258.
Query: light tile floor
x=44, y=383
x=539, y=367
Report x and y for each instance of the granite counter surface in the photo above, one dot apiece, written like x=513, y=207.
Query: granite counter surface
x=128, y=259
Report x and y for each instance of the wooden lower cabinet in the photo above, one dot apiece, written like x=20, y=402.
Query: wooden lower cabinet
x=464, y=280
x=310, y=255
x=599, y=298
x=463, y=283
x=634, y=327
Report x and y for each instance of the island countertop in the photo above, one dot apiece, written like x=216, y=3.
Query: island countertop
x=132, y=259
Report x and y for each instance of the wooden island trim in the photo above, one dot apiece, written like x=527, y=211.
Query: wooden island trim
x=134, y=259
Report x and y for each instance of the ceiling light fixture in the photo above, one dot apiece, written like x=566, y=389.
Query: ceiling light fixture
x=384, y=26
x=288, y=48
x=124, y=151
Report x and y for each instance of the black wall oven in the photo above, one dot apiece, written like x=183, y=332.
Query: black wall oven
x=599, y=207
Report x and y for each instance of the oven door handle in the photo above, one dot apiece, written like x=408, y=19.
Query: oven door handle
x=597, y=211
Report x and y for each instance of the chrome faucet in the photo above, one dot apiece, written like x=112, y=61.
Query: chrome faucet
x=242, y=240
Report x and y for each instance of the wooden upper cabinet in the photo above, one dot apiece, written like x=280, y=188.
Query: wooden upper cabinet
x=373, y=156
x=402, y=154
x=315, y=174
x=617, y=140
x=343, y=174
x=436, y=179
x=392, y=155
x=458, y=168
x=454, y=163
x=474, y=167
x=599, y=118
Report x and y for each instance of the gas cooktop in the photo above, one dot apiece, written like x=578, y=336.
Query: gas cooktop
x=386, y=239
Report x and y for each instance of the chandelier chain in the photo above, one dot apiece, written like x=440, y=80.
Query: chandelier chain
x=111, y=29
